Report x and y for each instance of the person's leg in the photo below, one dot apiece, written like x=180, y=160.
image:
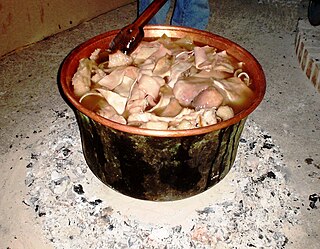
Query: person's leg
x=191, y=13
x=160, y=17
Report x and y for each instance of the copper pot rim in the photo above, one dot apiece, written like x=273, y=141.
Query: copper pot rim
x=64, y=81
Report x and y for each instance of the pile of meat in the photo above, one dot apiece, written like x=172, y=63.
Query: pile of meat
x=164, y=84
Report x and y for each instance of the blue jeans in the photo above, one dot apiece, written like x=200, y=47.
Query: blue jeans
x=190, y=13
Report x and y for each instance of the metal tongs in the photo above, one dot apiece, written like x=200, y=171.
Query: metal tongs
x=130, y=36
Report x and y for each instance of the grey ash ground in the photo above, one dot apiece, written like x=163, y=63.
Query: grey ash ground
x=254, y=215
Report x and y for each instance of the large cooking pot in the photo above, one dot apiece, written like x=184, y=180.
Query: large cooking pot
x=160, y=165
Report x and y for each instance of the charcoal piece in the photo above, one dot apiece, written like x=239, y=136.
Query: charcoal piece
x=41, y=214
x=309, y=160
x=267, y=146
x=29, y=165
x=177, y=229
x=61, y=114
x=78, y=189
x=251, y=245
x=66, y=152
x=34, y=156
x=312, y=205
x=252, y=145
x=271, y=175
x=261, y=178
x=95, y=202
x=313, y=197
x=242, y=140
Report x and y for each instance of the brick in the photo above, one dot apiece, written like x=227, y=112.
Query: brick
x=297, y=41
x=300, y=50
x=309, y=68
x=315, y=75
x=307, y=48
x=303, y=60
x=312, y=55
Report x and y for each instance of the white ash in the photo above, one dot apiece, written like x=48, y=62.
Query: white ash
x=253, y=216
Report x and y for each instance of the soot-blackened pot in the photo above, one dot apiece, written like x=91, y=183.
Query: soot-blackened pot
x=152, y=164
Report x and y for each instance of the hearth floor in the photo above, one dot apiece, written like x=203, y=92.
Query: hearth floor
x=270, y=198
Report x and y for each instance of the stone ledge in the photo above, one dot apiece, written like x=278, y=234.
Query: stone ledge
x=307, y=47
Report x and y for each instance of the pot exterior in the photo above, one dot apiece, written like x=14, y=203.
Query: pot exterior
x=160, y=165
x=158, y=168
